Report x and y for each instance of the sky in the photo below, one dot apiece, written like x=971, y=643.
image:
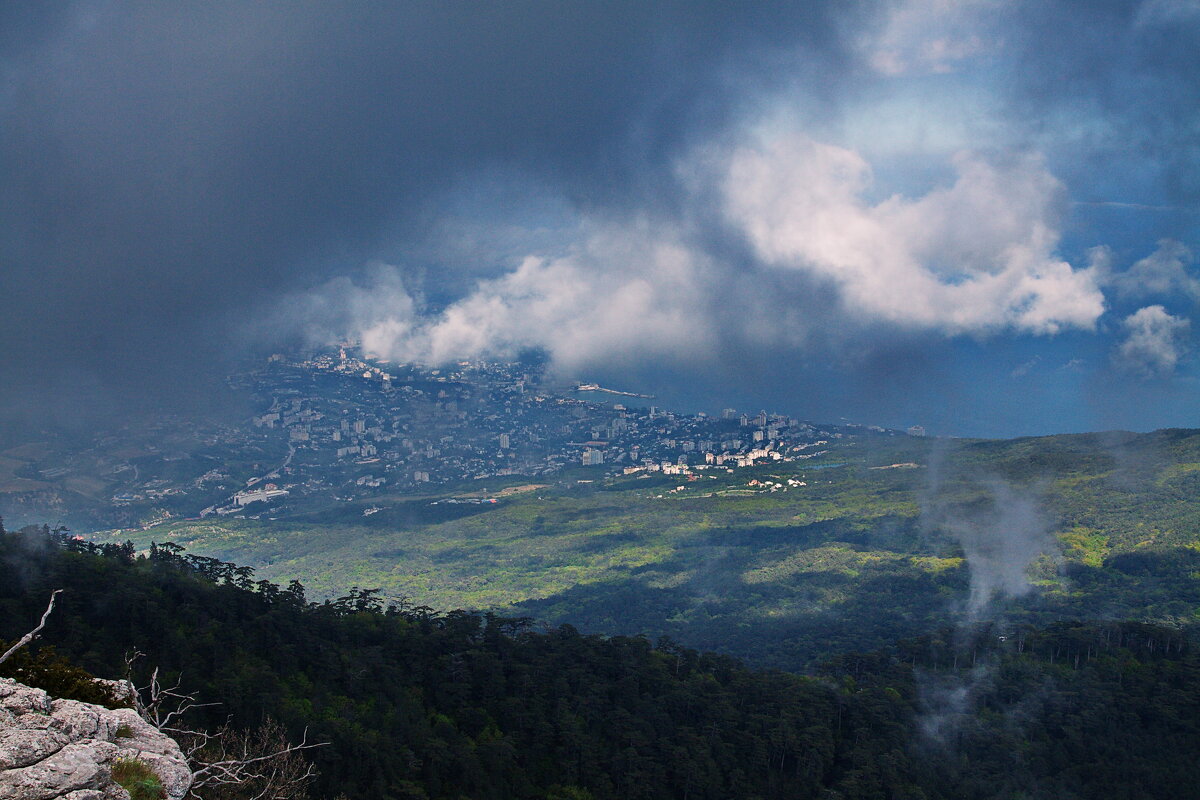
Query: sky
x=980, y=217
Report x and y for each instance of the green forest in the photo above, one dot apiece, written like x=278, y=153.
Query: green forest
x=415, y=703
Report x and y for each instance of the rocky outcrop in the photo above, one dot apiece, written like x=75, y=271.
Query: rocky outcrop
x=52, y=749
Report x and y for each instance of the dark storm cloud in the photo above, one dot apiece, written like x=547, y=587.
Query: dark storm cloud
x=167, y=165
x=169, y=171
x=1121, y=78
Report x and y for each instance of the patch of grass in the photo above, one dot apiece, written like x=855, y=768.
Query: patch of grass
x=1085, y=545
x=934, y=564
x=136, y=777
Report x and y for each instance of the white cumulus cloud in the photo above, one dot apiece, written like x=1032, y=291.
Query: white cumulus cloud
x=824, y=263
x=622, y=295
x=974, y=256
x=1154, y=342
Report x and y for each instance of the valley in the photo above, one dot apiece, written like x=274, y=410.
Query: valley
x=870, y=543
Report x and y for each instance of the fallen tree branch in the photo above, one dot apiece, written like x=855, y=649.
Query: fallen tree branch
x=29, y=637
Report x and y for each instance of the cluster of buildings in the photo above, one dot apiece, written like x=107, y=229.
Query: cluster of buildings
x=354, y=424
x=335, y=425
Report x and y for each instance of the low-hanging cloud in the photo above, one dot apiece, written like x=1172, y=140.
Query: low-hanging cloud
x=1001, y=528
x=973, y=257
x=1000, y=542
x=948, y=700
x=620, y=293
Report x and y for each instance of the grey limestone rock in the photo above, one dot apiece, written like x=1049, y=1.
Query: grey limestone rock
x=64, y=749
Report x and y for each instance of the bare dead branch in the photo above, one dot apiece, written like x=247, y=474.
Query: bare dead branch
x=162, y=707
x=33, y=634
x=237, y=770
x=227, y=758
x=254, y=765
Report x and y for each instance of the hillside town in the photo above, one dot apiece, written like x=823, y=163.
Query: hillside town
x=404, y=425
x=332, y=425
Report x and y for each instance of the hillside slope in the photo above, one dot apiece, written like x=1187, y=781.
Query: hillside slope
x=883, y=539
x=419, y=705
